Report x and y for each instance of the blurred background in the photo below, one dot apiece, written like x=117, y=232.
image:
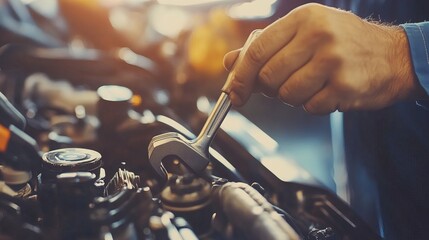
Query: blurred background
x=56, y=54
x=179, y=48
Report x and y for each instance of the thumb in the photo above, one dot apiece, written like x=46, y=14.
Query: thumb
x=229, y=59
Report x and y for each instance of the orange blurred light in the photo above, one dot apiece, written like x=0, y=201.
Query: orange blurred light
x=136, y=100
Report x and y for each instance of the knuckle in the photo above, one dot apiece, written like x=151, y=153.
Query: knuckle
x=357, y=105
x=308, y=9
x=265, y=76
x=307, y=13
x=321, y=33
x=346, y=86
x=238, y=84
x=334, y=59
x=342, y=87
x=327, y=35
x=298, y=77
x=329, y=60
x=256, y=52
x=321, y=30
x=266, y=83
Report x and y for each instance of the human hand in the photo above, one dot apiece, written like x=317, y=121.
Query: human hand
x=326, y=59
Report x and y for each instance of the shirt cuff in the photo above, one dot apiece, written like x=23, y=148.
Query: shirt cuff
x=418, y=38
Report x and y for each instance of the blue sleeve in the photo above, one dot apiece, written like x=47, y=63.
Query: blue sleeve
x=418, y=38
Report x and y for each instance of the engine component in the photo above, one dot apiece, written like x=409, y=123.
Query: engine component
x=70, y=160
x=66, y=172
x=168, y=227
x=124, y=214
x=17, y=180
x=113, y=106
x=249, y=213
x=17, y=149
x=17, y=220
x=122, y=179
x=321, y=234
x=10, y=115
x=75, y=193
x=189, y=197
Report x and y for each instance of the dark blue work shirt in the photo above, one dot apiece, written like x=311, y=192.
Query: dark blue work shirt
x=387, y=151
x=418, y=38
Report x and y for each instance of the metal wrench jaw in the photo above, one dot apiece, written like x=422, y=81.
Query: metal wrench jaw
x=195, y=153
x=174, y=144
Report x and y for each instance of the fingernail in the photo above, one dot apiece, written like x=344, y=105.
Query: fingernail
x=227, y=67
x=224, y=64
x=305, y=109
x=235, y=99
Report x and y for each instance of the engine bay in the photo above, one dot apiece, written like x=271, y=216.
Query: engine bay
x=75, y=133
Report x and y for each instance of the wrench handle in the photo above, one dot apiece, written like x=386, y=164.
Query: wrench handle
x=213, y=123
x=223, y=104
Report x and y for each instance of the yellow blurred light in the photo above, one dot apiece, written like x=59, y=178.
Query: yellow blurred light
x=91, y=4
x=206, y=51
x=187, y=2
x=208, y=44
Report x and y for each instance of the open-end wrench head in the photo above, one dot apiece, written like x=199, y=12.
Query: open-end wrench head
x=174, y=144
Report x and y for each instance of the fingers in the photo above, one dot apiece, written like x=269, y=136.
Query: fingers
x=303, y=84
x=316, y=57
x=268, y=43
x=282, y=65
x=323, y=102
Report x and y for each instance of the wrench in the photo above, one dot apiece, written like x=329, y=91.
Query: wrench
x=195, y=153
